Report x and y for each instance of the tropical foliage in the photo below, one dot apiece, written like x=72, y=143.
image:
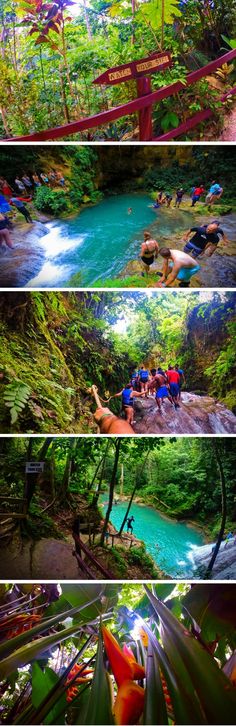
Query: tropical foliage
x=112, y=654
x=52, y=52
x=59, y=344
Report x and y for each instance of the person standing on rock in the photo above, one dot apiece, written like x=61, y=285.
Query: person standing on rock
x=21, y=208
x=162, y=390
x=205, y=239
x=27, y=181
x=20, y=186
x=5, y=187
x=179, y=197
x=143, y=379
x=181, y=378
x=177, y=266
x=173, y=378
x=214, y=194
x=149, y=251
x=196, y=194
x=127, y=396
x=4, y=232
x=130, y=520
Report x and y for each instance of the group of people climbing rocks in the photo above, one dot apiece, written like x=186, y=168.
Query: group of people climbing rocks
x=181, y=265
x=155, y=383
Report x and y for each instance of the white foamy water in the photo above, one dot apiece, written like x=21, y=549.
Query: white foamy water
x=58, y=241
x=50, y=274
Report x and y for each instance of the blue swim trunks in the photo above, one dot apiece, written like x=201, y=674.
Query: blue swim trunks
x=190, y=247
x=174, y=389
x=162, y=392
x=185, y=273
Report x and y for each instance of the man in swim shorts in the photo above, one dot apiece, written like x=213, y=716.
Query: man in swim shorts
x=177, y=266
x=196, y=194
x=214, y=194
x=206, y=238
x=149, y=250
x=173, y=378
x=181, y=378
x=162, y=390
x=179, y=197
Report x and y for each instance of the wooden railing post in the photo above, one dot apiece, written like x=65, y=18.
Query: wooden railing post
x=145, y=114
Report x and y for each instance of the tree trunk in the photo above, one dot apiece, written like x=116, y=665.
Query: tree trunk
x=96, y=494
x=138, y=476
x=223, y=509
x=67, y=470
x=112, y=487
x=87, y=23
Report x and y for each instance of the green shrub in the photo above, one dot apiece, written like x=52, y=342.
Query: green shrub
x=47, y=200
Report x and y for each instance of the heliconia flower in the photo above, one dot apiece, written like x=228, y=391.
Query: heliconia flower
x=143, y=637
x=124, y=667
x=18, y=624
x=129, y=703
x=72, y=692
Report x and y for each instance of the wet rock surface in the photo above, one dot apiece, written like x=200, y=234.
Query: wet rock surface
x=18, y=265
x=225, y=563
x=196, y=415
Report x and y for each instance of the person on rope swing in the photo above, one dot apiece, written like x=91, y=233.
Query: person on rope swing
x=149, y=251
x=177, y=266
x=143, y=375
x=173, y=378
x=129, y=524
x=205, y=239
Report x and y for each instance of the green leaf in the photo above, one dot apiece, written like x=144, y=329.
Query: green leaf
x=155, y=707
x=42, y=682
x=217, y=700
x=99, y=710
x=9, y=646
x=213, y=608
x=29, y=652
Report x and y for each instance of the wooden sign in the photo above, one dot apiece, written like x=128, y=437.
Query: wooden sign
x=135, y=69
x=34, y=467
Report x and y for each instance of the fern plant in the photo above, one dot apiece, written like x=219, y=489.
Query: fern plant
x=15, y=397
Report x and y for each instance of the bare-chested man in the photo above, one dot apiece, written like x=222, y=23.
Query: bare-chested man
x=177, y=266
x=162, y=390
x=149, y=250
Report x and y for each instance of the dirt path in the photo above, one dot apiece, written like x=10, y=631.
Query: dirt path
x=45, y=558
x=196, y=415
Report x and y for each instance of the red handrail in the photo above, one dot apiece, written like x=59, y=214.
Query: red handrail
x=193, y=120
x=126, y=109
x=91, y=557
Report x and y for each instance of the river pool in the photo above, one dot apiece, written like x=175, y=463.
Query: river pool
x=99, y=242
x=170, y=543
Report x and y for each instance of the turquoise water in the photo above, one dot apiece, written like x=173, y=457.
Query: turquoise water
x=175, y=540
x=101, y=240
